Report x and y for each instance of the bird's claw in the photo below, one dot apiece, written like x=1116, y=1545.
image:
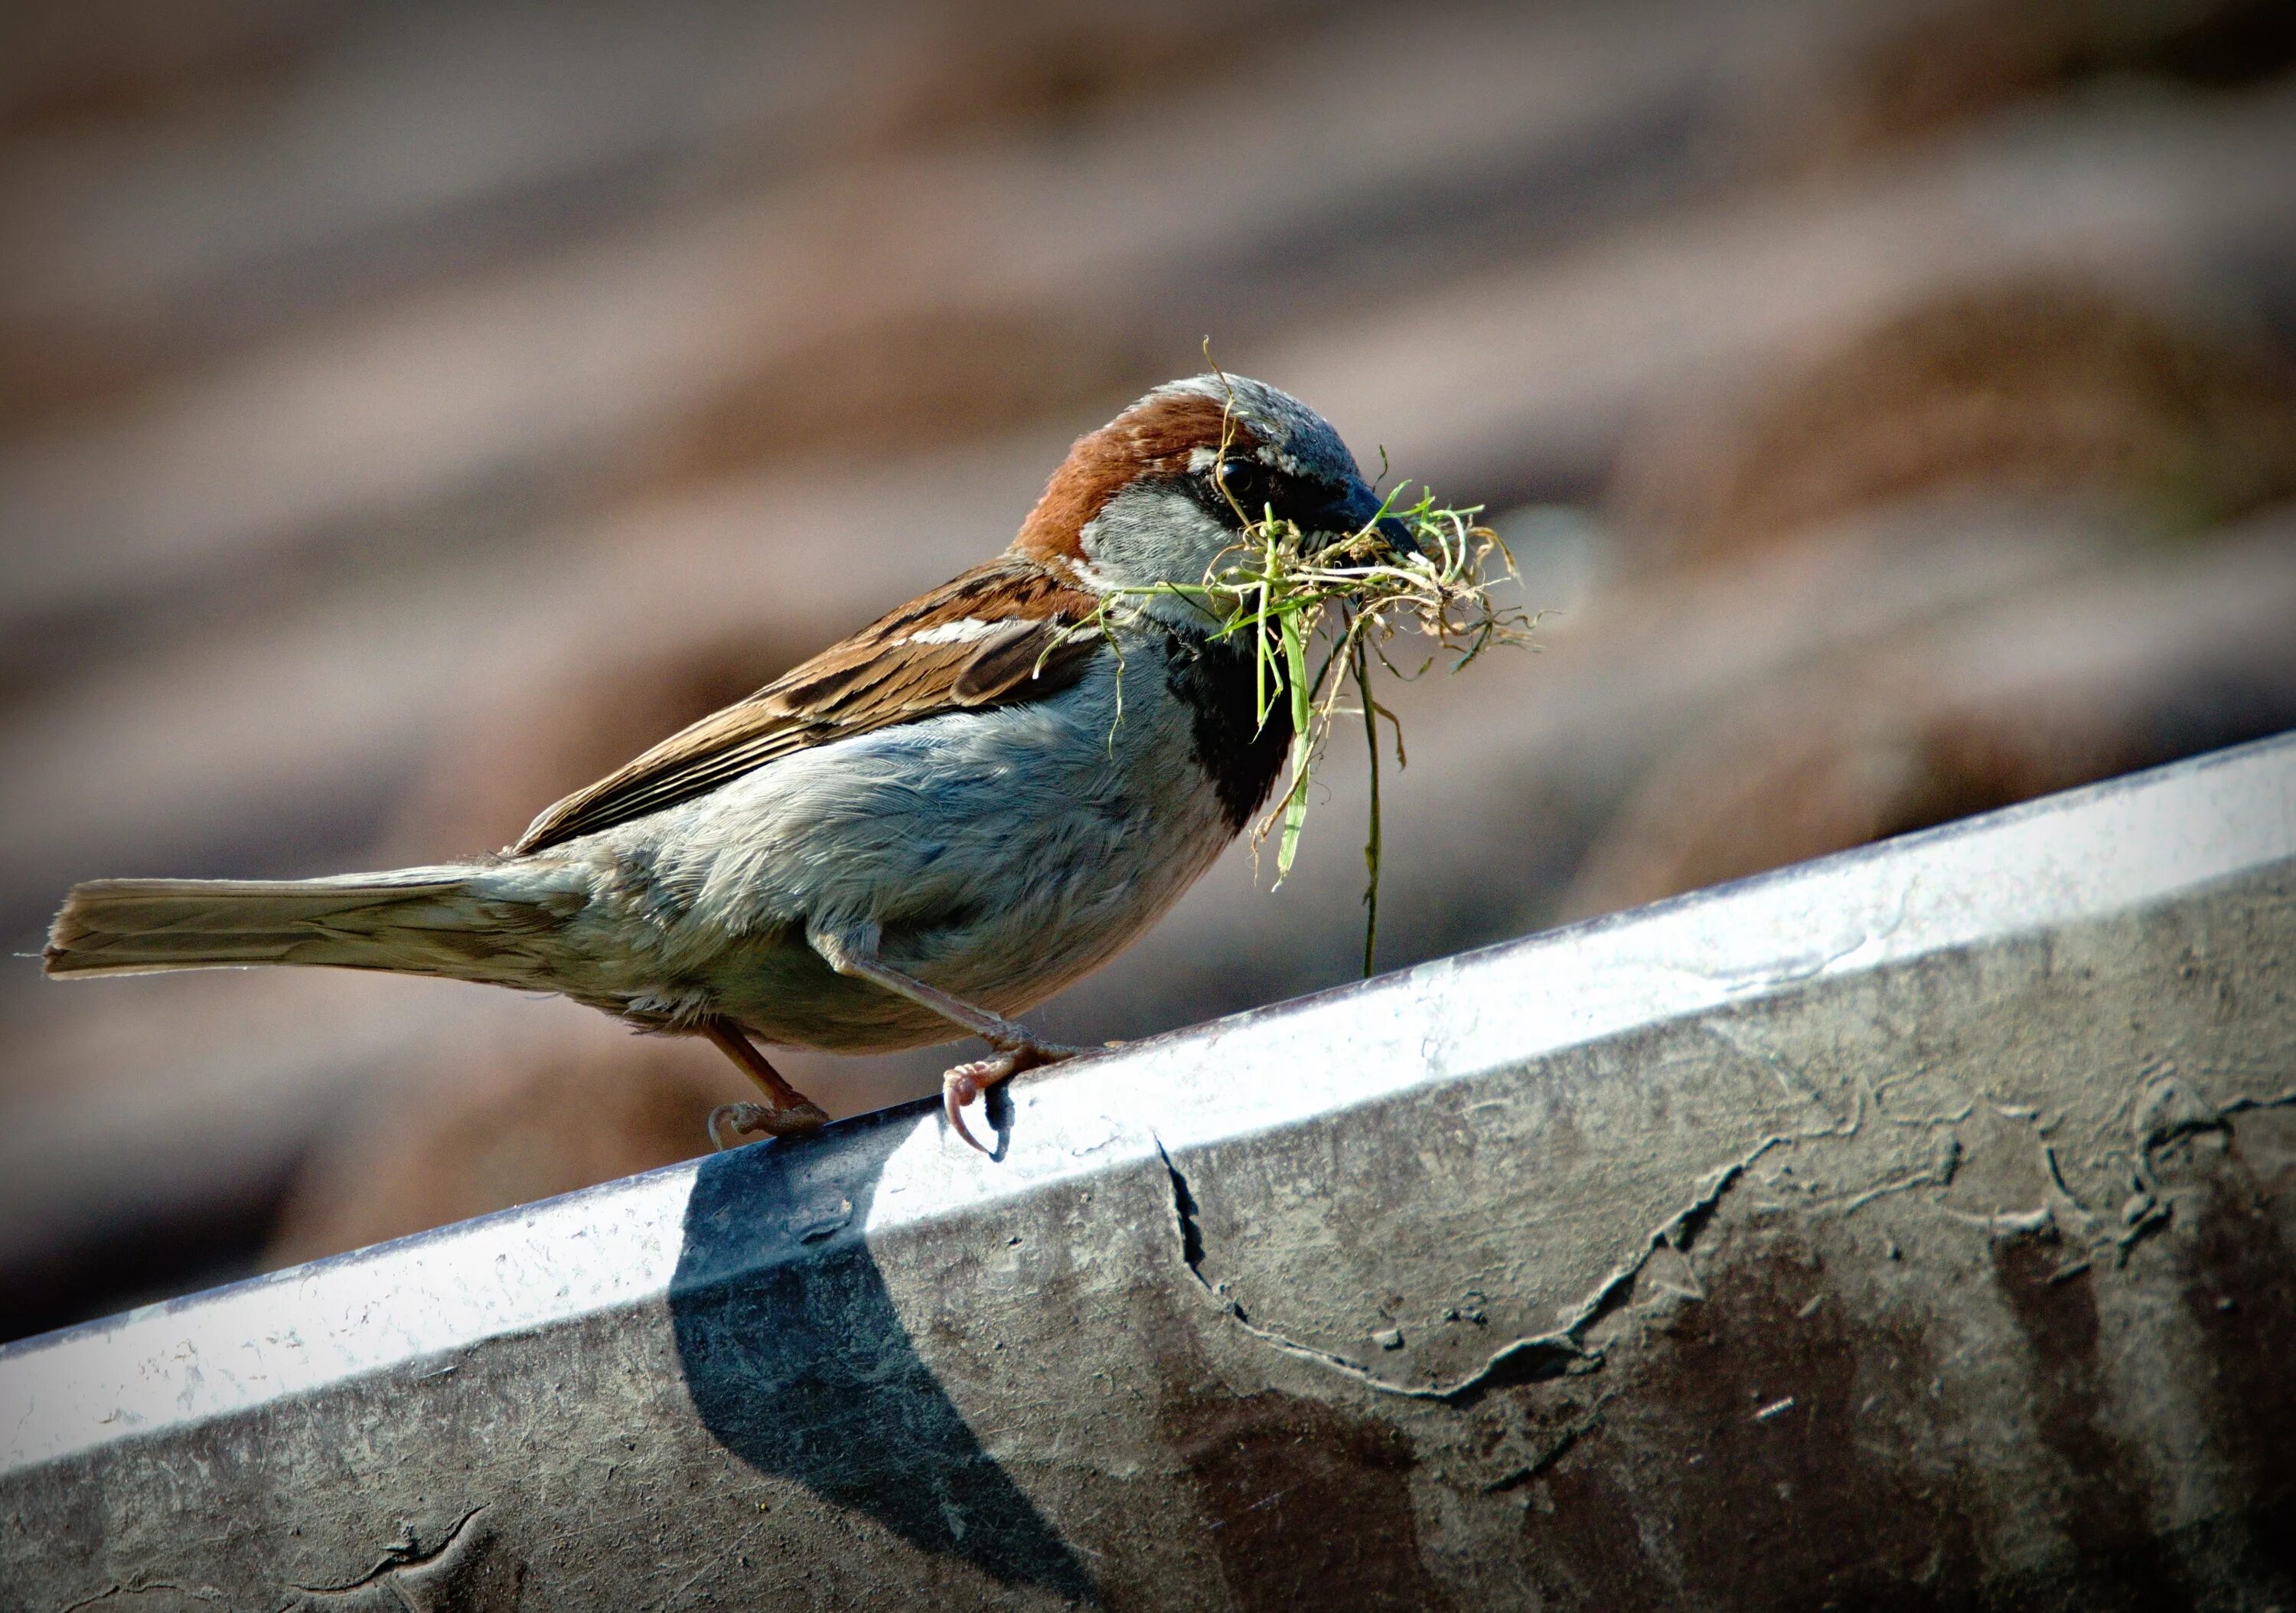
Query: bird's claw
x=967, y=1082
x=794, y=1120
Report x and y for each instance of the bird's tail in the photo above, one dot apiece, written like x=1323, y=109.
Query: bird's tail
x=444, y=921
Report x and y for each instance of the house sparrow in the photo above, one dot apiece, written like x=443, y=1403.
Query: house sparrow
x=934, y=824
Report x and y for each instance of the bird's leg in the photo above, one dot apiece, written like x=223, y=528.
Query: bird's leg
x=1018, y=1048
x=786, y=1113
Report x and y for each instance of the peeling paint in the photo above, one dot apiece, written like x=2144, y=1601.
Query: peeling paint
x=1525, y=1360
x=453, y=1552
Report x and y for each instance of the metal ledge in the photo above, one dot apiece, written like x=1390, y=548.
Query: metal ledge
x=1916, y=1224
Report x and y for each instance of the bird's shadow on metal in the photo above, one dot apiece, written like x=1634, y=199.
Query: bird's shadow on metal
x=996, y=1109
x=797, y=1360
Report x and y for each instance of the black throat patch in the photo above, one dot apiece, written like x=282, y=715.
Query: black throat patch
x=1239, y=753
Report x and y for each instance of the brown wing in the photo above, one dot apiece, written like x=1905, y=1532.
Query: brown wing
x=1003, y=632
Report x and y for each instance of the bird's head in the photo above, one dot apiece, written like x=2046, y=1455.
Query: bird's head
x=1160, y=493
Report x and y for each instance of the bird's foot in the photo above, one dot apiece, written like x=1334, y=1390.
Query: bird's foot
x=967, y=1082
x=786, y=1111
x=793, y=1120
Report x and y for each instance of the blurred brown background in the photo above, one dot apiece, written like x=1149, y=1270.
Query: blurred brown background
x=412, y=410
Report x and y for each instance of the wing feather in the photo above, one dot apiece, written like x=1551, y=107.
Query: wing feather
x=1002, y=633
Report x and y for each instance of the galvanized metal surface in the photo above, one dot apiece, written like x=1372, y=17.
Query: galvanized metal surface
x=1916, y=1228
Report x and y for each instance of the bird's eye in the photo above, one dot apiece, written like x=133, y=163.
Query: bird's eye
x=1238, y=476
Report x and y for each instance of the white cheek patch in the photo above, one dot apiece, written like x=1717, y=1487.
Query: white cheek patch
x=1147, y=536
x=964, y=629
x=1090, y=542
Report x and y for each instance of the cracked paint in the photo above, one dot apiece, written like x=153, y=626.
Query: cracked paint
x=1527, y=1359
x=406, y=1551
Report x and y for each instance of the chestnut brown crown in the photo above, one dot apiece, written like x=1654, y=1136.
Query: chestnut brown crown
x=1160, y=493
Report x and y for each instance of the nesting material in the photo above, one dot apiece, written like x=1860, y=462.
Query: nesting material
x=1321, y=612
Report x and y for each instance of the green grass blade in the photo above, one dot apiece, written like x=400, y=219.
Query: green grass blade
x=1360, y=664
x=1295, y=806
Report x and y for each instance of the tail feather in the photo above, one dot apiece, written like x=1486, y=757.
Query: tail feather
x=416, y=921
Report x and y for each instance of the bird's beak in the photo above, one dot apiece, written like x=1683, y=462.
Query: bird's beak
x=1398, y=535
x=1360, y=509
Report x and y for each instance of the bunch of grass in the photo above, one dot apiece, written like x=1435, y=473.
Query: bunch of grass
x=1322, y=613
